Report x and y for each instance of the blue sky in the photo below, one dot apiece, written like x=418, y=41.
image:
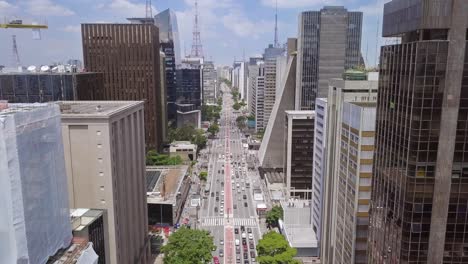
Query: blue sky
x=228, y=27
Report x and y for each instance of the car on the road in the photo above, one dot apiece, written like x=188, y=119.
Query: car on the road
x=222, y=192
x=235, y=206
x=242, y=228
x=243, y=189
x=251, y=245
x=237, y=241
x=244, y=246
x=245, y=205
x=238, y=198
x=221, y=252
x=238, y=190
x=246, y=256
x=249, y=230
x=244, y=196
x=237, y=249
x=221, y=241
x=217, y=198
x=215, y=260
x=244, y=235
x=236, y=231
x=238, y=258
x=212, y=194
x=217, y=193
x=252, y=254
x=216, y=209
x=250, y=237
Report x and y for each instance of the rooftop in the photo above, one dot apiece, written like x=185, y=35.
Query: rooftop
x=83, y=217
x=165, y=188
x=71, y=254
x=300, y=113
x=79, y=109
x=10, y=109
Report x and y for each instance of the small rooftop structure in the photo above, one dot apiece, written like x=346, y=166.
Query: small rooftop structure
x=83, y=217
x=79, y=252
x=167, y=185
x=80, y=109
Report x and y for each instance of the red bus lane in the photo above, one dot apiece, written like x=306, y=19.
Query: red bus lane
x=229, y=257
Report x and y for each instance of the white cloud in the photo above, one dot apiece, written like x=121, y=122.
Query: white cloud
x=242, y=26
x=299, y=3
x=47, y=8
x=72, y=29
x=6, y=8
x=127, y=8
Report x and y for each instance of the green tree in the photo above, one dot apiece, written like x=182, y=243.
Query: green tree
x=251, y=117
x=274, y=249
x=203, y=175
x=153, y=158
x=260, y=133
x=188, y=133
x=220, y=101
x=242, y=103
x=213, y=129
x=188, y=246
x=240, y=120
x=236, y=106
x=274, y=215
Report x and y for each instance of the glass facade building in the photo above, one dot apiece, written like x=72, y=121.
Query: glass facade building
x=419, y=198
x=329, y=42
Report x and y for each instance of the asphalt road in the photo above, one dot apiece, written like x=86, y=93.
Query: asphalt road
x=229, y=202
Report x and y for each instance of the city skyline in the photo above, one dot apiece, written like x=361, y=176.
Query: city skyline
x=232, y=22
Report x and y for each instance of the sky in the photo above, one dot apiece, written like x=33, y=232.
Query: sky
x=230, y=29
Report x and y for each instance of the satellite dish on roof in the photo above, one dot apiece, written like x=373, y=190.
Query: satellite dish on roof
x=32, y=68
x=45, y=68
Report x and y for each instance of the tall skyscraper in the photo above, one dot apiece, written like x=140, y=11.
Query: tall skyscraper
x=419, y=188
x=270, y=56
x=128, y=55
x=351, y=221
x=166, y=21
x=209, y=82
x=35, y=219
x=105, y=164
x=355, y=88
x=329, y=42
x=259, y=103
x=255, y=71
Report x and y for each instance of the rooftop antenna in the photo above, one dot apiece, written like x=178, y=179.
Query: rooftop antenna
x=276, y=26
x=16, y=59
x=377, y=42
x=197, y=48
x=149, y=9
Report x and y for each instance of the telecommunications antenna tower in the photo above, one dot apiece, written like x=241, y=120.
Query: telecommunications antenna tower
x=197, y=48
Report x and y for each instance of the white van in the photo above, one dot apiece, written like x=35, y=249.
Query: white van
x=237, y=242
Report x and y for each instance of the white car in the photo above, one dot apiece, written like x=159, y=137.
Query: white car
x=250, y=236
x=244, y=235
x=243, y=189
x=222, y=192
x=237, y=242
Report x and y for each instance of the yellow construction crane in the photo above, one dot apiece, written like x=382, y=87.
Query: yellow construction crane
x=18, y=23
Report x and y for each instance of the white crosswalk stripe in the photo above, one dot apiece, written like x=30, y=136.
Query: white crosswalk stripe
x=219, y=221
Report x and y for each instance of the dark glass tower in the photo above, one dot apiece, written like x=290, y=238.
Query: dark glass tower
x=329, y=42
x=166, y=21
x=419, y=201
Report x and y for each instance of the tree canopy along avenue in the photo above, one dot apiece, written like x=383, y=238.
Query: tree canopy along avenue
x=188, y=246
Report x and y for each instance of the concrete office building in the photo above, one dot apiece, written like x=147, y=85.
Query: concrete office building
x=33, y=184
x=108, y=136
x=239, y=80
x=298, y=154
x=259, y=106
x=209, y=83
x=319, y=163
x=163, y=98
x=272, y=150
x=255, y=71
x=128, y=55
x=329, y=42
x=353, y=89
x=419, y=201
x=167, y=190
x=40, y=87
x=356, y=140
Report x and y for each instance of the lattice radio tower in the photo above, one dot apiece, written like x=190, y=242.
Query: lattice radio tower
x=277, y=45
x=197, y=48
x=148, y=10
x=16, y=59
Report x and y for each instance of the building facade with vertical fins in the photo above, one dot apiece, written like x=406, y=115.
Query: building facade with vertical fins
x=419, y=191
x=128, y=55
x=329, y=42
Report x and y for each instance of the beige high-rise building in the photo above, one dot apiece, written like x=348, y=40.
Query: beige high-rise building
x=351, y=221
x=104, y=143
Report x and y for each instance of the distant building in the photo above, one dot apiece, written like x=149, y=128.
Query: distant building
x=186, y=150
x=209, y=83
x=299, y=148
x=255, y=71
x=131, y=68
x=46, y=86
x=189, y=85
x=240, y=79
x=167, y=189
x=328, y=43
x=35, y=220
x=353, y=89
x=108, y=137
x=259, y=107
x=166, y=21
x=188, y=115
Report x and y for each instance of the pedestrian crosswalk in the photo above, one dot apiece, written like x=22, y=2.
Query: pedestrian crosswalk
x=220, y=221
